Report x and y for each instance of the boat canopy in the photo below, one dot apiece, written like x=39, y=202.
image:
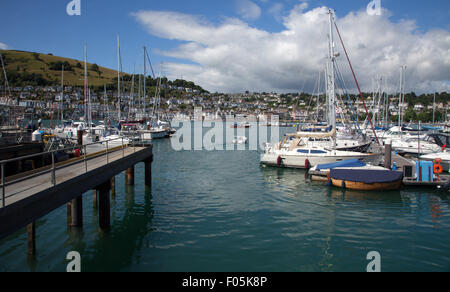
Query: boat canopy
x=366, y=176
x=313, y=134
x=345, y=163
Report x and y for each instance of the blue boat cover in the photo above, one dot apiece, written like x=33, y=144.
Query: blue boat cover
x=366, y=176
x=345, y=163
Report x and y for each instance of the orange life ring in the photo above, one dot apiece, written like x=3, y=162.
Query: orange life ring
x=437, y=169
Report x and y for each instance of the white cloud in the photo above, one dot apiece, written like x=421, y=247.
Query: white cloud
x=248, y=10
x=233, y=57
x=3, y=46
x=276, y=10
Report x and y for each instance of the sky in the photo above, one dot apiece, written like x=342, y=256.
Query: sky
x=237, y=45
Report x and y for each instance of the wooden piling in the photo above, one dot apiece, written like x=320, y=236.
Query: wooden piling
x=148, y=173
x=104, y=205
x=80, y=137
x=31, y=230
x=95, y=199
x=113, y=186
x=129, y=176
x=388, y=155
x=77, y=212
x=69, y=213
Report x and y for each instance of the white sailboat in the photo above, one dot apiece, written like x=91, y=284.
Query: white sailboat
x=306, y=149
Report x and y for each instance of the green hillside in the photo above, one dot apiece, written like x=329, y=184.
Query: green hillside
x=28, y=68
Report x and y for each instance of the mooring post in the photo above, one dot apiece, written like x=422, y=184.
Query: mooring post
x=69, y=213
x=80, y=138
x=104, y=205
x=77, y=212
x=95, y=199
x=129, y=176
x=113, y=186
x=31, y=230
x=388, y=154
x=148, y=172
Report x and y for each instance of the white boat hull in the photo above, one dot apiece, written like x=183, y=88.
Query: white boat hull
x=299, y=161
x=152, y=135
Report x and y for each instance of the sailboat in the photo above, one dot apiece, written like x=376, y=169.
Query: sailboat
x=307, y=149
x=153, y=129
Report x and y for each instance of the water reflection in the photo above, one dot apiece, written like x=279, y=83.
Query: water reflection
x=115, y=250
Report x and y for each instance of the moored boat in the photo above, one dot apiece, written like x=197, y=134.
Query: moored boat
x=366, y=180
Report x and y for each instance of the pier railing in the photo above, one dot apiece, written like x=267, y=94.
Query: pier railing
x=111, y=146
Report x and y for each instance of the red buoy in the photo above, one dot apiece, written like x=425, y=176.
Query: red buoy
x=77, y=153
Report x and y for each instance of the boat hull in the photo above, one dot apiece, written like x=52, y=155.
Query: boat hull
x=360, y=186
x=299, y=161
x=153, y=135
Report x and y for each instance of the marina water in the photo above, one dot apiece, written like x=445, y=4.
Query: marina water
x=221, y=211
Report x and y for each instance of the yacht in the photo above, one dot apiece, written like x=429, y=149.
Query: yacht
x=240, y=140
x=306, y=150
x=443, y=156
x=416, y=145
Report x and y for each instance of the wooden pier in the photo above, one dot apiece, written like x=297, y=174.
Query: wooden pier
x=26, y=198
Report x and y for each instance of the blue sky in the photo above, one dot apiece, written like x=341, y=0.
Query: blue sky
x=44, y=26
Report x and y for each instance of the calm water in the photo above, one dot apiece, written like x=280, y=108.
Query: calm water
x=221, y=211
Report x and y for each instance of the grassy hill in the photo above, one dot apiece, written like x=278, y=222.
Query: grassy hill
x=20, y=64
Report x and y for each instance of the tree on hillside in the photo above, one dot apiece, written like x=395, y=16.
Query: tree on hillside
x=57, y=66
x=95, y=68
x=36, y=56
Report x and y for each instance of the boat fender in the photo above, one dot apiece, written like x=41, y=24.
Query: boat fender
x=343, y=184
x=329, y=180
x=279, y=161
x=307, y=164
x=394, y=167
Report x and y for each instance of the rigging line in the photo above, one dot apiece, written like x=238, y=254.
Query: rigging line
x=357, y=84
x=344, y=88
x=151, y=67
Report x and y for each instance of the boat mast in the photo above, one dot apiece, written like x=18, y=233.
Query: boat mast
x=107, y=100
x=331, y=77
x=402, y=95
x=318, y=97
x=434, y=107
x=89, y=112
x=145, y=83
x=131, y=101
x=85, y=84
x=118, y=77
x=62, y=94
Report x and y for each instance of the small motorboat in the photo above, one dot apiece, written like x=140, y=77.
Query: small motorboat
x=321, y=172
x=240, y=140
x=366, y=179
x=442, y=157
